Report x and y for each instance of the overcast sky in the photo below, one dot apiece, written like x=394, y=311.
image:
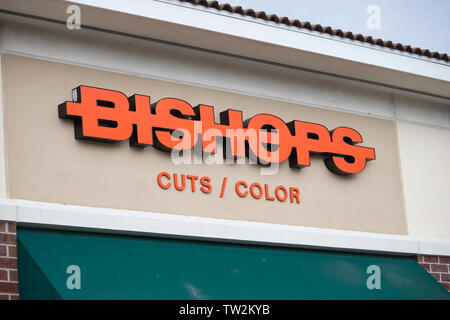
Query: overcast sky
x=419, y=23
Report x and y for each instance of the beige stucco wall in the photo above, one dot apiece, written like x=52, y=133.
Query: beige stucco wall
x=425, y=154
x=46, y=163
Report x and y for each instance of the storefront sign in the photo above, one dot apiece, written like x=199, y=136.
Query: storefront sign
x=173, y=124
x=180, y=182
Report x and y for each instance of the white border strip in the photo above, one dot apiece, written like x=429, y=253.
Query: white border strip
x=70, y=217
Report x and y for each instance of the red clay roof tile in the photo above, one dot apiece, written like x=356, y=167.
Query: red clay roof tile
x=317, y=27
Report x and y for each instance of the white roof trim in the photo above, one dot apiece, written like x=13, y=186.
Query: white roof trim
x=302, y=30
x=287, y=37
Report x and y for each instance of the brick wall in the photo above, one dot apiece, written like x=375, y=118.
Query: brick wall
x=438, y=267
x=9, y=286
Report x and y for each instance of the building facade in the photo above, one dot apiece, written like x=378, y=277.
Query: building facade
x=349, y=201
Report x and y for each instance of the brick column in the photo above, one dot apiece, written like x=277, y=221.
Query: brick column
x=9, y=285
x=438, y=267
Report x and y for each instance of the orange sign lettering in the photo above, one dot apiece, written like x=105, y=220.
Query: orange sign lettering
x=170, y=123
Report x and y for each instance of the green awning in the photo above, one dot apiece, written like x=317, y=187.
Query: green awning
x=126, y=267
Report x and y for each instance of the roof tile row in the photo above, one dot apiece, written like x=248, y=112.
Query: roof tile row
x=317, y=27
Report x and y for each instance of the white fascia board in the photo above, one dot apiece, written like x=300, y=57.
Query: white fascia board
x=82, y=218
x=279, y=35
